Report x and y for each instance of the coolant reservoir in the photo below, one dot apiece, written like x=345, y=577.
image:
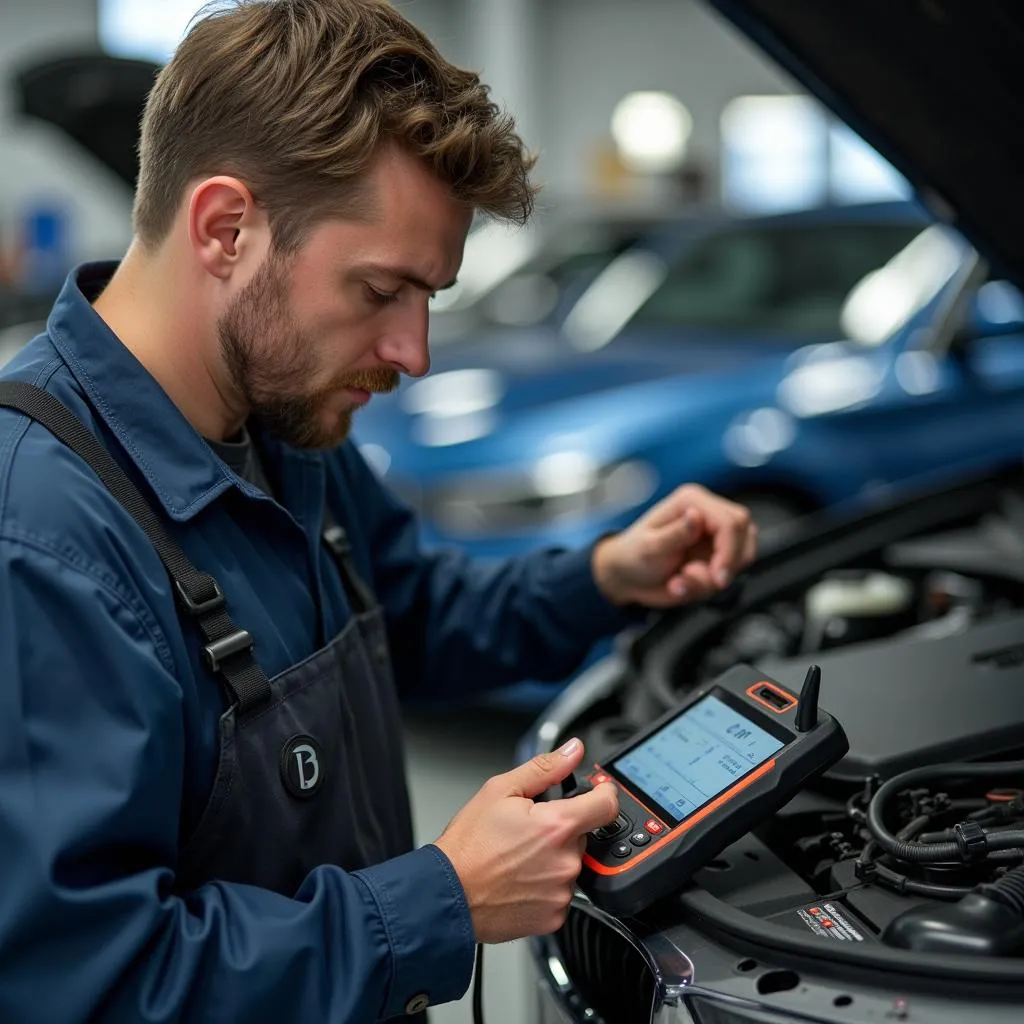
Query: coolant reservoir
x=847, y=608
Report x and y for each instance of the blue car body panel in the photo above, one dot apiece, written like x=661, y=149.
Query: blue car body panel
x=846, y=422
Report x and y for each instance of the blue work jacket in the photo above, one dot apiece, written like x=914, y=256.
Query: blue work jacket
x=108, y=720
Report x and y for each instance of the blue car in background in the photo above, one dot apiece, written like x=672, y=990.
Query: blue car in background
x=529, y=277
x=796, y=362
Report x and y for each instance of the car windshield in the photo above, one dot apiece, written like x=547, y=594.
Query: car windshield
x=786, y=279
x=517, y=277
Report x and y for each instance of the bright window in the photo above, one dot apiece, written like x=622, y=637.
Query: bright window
x=146, y=29
x=857, y=174
x=783, y=153
x=774, y=154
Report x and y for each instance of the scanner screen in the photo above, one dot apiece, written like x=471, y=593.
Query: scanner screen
x=695, y=757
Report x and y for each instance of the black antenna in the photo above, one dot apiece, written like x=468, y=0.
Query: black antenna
x=807, y=712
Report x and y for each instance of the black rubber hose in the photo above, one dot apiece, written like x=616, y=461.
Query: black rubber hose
x=922, y=853
x=854, y=810
x=902, y=884
x=1008, y=890
x=913, y=827
x=992, y=823
x=868, y=869
x=866, y=860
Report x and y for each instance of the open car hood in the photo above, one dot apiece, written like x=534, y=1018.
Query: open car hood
x=934, y=85
x=95, y=99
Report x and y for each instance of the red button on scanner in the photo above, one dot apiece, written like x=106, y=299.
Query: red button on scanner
x=654, y=826
x=599, y=778
x=815, y=910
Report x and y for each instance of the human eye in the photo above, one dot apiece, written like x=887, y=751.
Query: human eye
x=381, y=298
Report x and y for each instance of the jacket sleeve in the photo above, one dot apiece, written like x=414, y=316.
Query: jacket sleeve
x=458, y=626
x=91, y=760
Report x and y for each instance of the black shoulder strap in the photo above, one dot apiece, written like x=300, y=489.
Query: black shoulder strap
x=228, y=649
x=360, y=597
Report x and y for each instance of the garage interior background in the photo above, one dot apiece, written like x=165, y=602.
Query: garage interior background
x=561, y=66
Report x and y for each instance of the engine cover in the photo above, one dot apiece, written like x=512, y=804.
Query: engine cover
x=917, y=699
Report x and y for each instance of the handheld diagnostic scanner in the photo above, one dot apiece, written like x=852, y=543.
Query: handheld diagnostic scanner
x=701, y=777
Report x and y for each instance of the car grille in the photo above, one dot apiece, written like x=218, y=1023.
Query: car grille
x=606, y=971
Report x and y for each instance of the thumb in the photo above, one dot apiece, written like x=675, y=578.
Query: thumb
x=544, y=770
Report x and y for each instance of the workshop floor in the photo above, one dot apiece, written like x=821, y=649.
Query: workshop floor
x=449, y=757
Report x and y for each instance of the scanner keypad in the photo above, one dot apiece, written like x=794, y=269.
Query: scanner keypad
x=613, y=828
x=633, y=830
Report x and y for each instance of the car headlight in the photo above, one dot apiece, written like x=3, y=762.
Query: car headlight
x=559, y=489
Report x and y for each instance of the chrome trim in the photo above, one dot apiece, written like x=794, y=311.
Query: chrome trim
x=671, y=969
x=677, y=996
x=511, y=502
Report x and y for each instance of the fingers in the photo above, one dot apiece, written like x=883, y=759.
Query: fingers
x=750, y=548
x=693, y=582
x=592, y=810
x=670, y=508
x=676, y=535
x=733, y=538
x=541, y=772
x=692, y=512
x=698, y=580
x=730, y=539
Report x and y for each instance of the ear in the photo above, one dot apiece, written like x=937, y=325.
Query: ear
x=226, y=229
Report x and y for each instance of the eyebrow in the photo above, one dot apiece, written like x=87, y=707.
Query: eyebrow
x=408, y=276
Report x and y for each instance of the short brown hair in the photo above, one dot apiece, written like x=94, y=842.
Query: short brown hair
x=294, y=97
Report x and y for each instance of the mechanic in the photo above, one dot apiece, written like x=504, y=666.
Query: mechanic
x=225, y=835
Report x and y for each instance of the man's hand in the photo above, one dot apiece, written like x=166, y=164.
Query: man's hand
x=518, y=860
x=687, y=547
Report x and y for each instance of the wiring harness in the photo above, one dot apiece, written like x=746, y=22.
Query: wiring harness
x=981, y=837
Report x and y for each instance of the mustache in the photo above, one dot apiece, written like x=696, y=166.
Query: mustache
x=378, y=380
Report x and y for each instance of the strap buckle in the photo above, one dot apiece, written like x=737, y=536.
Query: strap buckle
x=337, y=540
x=215, y=653
x=210, y=604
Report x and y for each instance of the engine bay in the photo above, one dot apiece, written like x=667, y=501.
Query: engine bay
x=911, y=849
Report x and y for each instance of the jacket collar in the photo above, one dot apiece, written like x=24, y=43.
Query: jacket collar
x=179, y=465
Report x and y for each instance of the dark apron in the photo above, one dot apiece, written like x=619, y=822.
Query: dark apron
x=314, y=774
x=311, y=765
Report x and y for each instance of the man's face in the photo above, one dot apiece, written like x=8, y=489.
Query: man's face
x=312, y=335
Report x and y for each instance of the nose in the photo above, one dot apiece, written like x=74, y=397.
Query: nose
x=404, y=345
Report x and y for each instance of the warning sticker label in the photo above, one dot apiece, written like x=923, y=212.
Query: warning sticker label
x=830, y=922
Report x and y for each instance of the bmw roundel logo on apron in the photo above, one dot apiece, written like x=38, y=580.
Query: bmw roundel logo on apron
x=302, y=766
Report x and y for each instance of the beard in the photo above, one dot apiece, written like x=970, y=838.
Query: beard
x=270, y=361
